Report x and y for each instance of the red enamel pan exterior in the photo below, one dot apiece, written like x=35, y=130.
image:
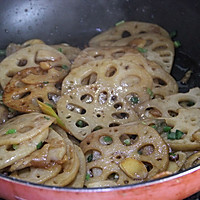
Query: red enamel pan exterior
x=175, y=187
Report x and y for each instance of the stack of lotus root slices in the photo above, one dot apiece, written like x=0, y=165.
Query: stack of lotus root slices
x=106, y=115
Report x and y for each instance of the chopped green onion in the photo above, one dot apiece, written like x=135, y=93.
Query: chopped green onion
x=127, y=141
x=87, y=177
x=173, y=34
x=149, y=91
x=120, y=22
x=50, y=105
x=142, y=50
x=179, y=134
x=107, y=139
x=154, y=126
x=90, y=158
x=60, y=49
x=39, y=145
x=172, y=154
x=175, y=135
x=11, y=131
x=2, y=52
x=134, y=100
x=171, y=135
x=167, y=128
x=177, y=44
x=45, y=82
x=65, y=67
x=80, y=123
x=144, y=123
x=46, y=117
x=15, y=146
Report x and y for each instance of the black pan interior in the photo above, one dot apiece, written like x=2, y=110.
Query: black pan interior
x=76, y=21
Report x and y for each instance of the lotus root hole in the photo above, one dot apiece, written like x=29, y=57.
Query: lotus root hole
x=92, y=155
x=22, y=62
x=113, y=177
x=166, y=61
x=165, y=54
x=103, y=97
x=114, y=98
x=95, y=172
x=126, y=182
x=148, y=42
x=76, y=109
x=172, y=113
x=118, y=106
x=159, y=81
x=25, y=129
x=53, y=97
x=105, y=140
x=125, y=34
x=10, y=148
x=10, y=74
x=114, y=124
x=87, y=98
x=160, y=48
x=120, y=115
x=110, y=71
x=118, y=54
x=153, y=112
x=186, y=103
x=130, y=81
x=146, y=150
x=148, y=166
x=21, y=96
x=99, y=56
x=90, y=79
x=81, y=124
x=127, y=139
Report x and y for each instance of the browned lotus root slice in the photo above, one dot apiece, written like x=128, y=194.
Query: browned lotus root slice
x=105, y=149
x=30, y=57
x=187, y=121
x=52, y=152
x=88, y=108
x=155, y=47
x=70, y=52
x=192, y=160
x=79, y=181
x=168, y=107
x=23, y=127
x=15, y=151
x=31, y=84
x=99, y=53
x=163, y=83
x=12, y=47
x=69, y=171
x=37, y=175
x=112, y=73
x=125, y=30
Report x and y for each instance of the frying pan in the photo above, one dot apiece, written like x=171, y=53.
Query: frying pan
x=75, y=22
